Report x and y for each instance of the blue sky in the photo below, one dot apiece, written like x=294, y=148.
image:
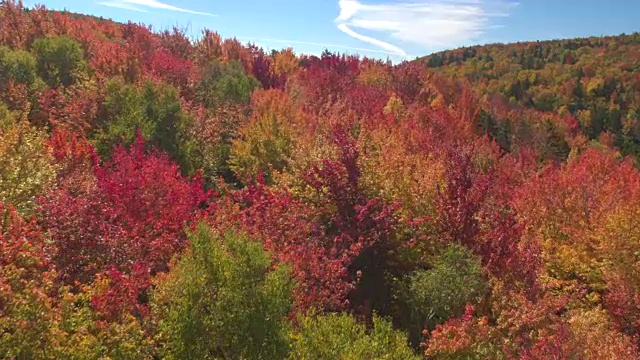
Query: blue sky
x=375, y=28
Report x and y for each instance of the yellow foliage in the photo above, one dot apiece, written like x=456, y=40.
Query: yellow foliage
x=438, y=102
x=394, y=172
x=26, y=163
x=304, y=155
x=285, y=62
x=265, y=143
x=617, y=241
x=373, y=74
x=594, y=85
x=595, y=334
x=585, y=218
x=394, y=106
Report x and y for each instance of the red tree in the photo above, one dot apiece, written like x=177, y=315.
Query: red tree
x=135, y=211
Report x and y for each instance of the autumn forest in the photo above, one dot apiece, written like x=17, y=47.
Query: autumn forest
x=169, y=198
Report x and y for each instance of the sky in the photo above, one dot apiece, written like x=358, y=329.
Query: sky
x=396, y=30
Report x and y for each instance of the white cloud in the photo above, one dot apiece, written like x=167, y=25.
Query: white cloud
x=121, y=5
x=139, y=5
x=428, y=23
x=390, y=48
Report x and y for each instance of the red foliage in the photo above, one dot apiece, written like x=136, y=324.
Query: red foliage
x=74, y=108
x=73, y=154
x=469, y=212
x=135, y=212
x=327, y=79
x=69, y=148
x=408, y=81
x=262, y=69
x=170, y=68
x=15, y=95
x=362, y=228
x=15, y=24
x=122, y=293
x=458, y=336
x=176, y=42
x=289, y=230
x=22, y=243
x=366, y=101
x=622, y=302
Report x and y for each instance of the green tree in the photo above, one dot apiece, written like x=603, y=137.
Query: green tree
x=435, y=295
x=155, y=110
x=17, y=65
x=225, y=83
x=341, y=337
x=59, y=60
x=223, y=301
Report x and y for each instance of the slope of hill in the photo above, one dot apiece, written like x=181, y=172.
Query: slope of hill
x=594, y=80
x=164, y=198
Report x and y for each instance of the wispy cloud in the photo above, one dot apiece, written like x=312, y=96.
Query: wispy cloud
x=428, y=23
x=392, y=49
x=141, y=5
x=324, y=45
x=121, y=5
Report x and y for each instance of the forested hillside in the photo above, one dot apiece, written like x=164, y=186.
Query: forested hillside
x=595, y=81
x=163, y=198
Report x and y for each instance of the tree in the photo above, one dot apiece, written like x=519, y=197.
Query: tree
x=39, y=318
x=443, y=291
x=223, y=300
x=26, y=313
x=340, y=337
x=18, y=78
x=472, y=212
x=132, y=213
x=222, y=83
x=156, y=111
x=290, y=231
x=18, y=66
x=26, y=162
x=265, y=143
x=362, y=228
x=59, y=60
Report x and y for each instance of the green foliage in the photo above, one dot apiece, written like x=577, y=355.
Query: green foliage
x=155, y=111
x=443, y=291
x=26, y=164
x=340, y=337
x=225, y=83
x=59, y=60
x=17, y=65
x=222, y=301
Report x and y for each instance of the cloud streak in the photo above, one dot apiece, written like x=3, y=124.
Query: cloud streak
x=121, y=5
x=392, y=49
x=427, y=23
x=142, y=5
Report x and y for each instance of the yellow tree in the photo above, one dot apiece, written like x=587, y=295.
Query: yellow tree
x=26, y=162
x=266, y=142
